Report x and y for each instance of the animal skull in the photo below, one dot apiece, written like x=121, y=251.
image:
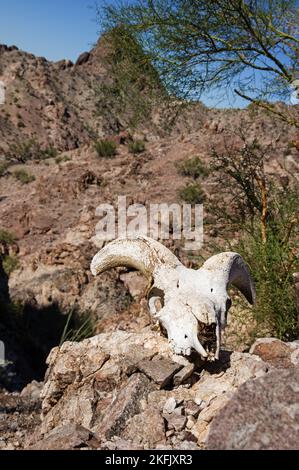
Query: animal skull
x=190, y=305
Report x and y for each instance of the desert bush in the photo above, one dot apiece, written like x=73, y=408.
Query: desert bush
x=6, y=237
x=193, y=167
x=3, y=168
x=105, y=148
x=30, y=150
x=137, y=146
x=62, y=159
x=10, y=264
x=264, y=216
x=192, y=193
x=49, y=152
x=23, y=176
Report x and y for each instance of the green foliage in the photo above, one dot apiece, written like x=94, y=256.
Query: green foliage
x=137, y=146
x=6, y=237
x=30, y=150
x=24, y=177
x=77, y=328
x=62, y=159
x=249, y=48
x=106, y=148
x=10, y=264
x=3, y=168
x=272, y=265
x=192, y=193
x=193, y=167
x=49, y=152
x=264, y=216
x=134, y=87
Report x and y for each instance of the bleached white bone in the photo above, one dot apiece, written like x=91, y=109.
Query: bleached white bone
x=191, y=305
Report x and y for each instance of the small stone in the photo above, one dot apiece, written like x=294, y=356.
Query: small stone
x=159, y=369
x=170, y=405
x=175, y=421
x=170, y=433
x=183, y=374
x=179, y=411
x=192, y=409
x=198, y=401
x=201, y=403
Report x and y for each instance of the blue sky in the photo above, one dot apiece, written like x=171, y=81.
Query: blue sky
x=61, y=29
x=55, y=29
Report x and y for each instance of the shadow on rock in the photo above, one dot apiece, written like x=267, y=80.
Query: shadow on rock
x=29, y=333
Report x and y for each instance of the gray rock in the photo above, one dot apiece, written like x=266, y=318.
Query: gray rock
x=70, y=437
x=125, y=405
x=170, y=405
x=146, y=428
x=183, y=374
x=263, y=414
x=192, y=409
x=176, y=421
x=160, y=369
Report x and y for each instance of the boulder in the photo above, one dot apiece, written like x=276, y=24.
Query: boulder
x=262, y=415
x=277, y=353
x=120, y=387
x=83, y=58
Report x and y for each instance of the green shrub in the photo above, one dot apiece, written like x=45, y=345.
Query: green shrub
x=62, y=159
x=24, y=177
x=10, y=264
x=49, y=152
x=192, y=193
x=6, y=237
x=23, y=152
x=105, y=148
x=275, y=311
x=263, y=215
x=3, y=168
x=136, y=147
x=193, y=167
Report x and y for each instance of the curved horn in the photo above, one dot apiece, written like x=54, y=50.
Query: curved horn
x=141, y=253
x=234, y=271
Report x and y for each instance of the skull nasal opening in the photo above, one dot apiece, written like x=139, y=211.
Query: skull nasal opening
x=207, y=336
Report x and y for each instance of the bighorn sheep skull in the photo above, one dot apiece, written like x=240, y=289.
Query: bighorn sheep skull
x=190, y=305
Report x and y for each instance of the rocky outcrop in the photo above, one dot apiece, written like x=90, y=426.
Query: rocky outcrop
x=121, y=388
x=83, y=58
x=109, y=393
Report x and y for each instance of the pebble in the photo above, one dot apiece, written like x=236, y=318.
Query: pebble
x=170, y=405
